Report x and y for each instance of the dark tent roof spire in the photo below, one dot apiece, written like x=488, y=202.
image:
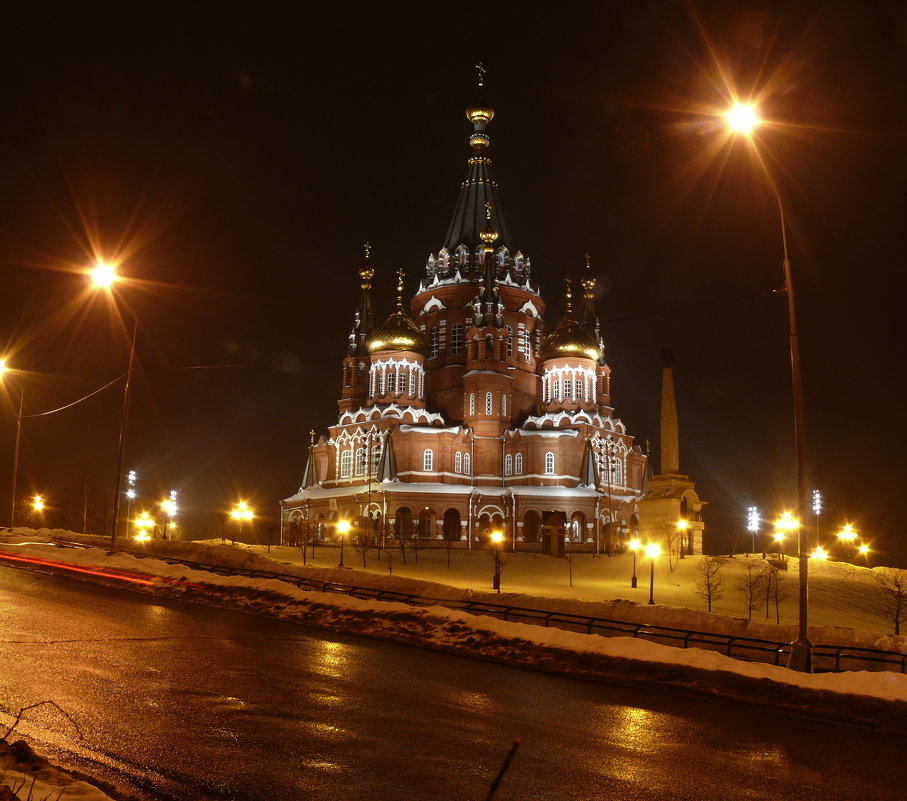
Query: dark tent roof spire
x=479, y=188
x=364, y=320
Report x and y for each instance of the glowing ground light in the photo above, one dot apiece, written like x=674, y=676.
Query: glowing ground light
x=741, y=118
x=819, y=553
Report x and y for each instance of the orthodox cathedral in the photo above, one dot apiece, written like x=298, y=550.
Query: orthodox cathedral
x=462, y=413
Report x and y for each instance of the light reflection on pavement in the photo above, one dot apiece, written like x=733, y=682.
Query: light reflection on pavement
x=206, y=704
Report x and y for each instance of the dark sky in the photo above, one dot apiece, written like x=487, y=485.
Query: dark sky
x=236, y=160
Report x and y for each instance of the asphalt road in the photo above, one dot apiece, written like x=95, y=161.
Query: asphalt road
x=204, y=704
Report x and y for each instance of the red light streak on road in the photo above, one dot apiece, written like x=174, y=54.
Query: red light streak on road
x=75, y=569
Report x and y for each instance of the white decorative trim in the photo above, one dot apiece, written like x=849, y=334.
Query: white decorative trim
x=433, y=305
x=529, y=308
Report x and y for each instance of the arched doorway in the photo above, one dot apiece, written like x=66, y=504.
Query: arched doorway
x=426, y=529
x=577, y=528
x=531, y=526
x=451, y=525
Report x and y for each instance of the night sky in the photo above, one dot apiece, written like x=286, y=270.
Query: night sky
x=234, y=162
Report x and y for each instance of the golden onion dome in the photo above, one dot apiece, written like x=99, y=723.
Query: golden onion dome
x=398, y=332
x=480, y=112
x=571, y=339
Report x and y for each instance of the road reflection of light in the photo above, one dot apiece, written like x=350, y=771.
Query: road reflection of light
x=474, y=701
x=640, y=734
x=332, y=660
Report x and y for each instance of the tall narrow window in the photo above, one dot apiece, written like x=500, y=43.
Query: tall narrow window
x=578, y=389
x=467, y=464
x=346, y=463
x=509, y=341
x=375, y=455
x=381, y=383
x=472, y=403
x=617, y=470
x=428, y=459
x=412, y=382
x=458, y=462
x=519, y=464
x=524, y=343
x=489, y=403
x=456, y=338
x=568, y=389
x=549, y=463
x=433, y=343
x=557, y=389
x=360, y=461
x=508, y=464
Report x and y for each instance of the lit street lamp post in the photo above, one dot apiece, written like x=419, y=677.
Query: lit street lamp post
x=683, y=526
x=4, y=370
x=742, y=119
x=170, y=509
x=653, y=551
x=497, y=538
x=634, y=546
x=343, y=527
x=241, y=512
x=752, y=525
x=817, y=509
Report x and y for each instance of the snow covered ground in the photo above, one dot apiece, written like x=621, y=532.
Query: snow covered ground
x=844, y=600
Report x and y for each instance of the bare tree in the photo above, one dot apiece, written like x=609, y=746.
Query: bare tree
x=776, y=589
x=734, y=539
x=666, y=530
x=892, y=601
x=709, y=585
x=569, y=555
x=751, y=584
x=361, y=540
x=448, y=546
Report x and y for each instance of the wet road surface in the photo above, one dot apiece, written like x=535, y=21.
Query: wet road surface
x=205, y=704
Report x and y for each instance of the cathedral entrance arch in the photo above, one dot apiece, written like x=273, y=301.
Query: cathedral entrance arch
x=452, y=525
x=532, y=522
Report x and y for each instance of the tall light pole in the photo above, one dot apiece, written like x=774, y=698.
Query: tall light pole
x=634, y=546
x=4, y=371
x=241, y=512
x=743, y=119
x=817, y=509
x=653, y=551
x=104, y=276
x=683, y=526
x=752, y=524
x=343, y=526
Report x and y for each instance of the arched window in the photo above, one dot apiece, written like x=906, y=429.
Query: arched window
x=568, y=389
x=524, y=344
x=509, y=341
x=456, y=338
x=375, y=455
x=617, y=470
x=503, y=404
x=428, y=459
x=519, y=464
x=458, y=462
x=549, y=464
x=360, y=461
x=557, y=389
x=489, y=403
x=578, y=389
x=346, y=463
x=472, y=402
x=467, y=464
x=433, y=343
x=508, y=464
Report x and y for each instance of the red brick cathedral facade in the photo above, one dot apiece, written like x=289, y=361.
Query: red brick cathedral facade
x=465, y=414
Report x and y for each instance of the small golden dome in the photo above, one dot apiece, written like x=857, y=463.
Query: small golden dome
x=397, y=333
x=571, y=339
x=480, y=112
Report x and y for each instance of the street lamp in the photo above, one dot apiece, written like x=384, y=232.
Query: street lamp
x=847, y=534
x=241, y=512
x=743, y=119
x=819, y=554
x=497, y=537
x=4, y=376
x=634, y=546
x=103, y=276
x=653, y=551
x=752, y=524
x=817, y=509
x=37, y=507
x=169, y=507
x=343, y=527
x=145, y=525
x=682, y=527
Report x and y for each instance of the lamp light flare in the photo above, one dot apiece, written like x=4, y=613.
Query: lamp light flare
x=820, y=553
x=38, y=503
x=497, y=536
x=343, y=527
x=864, y=549
x=634, y=544
x=817, y=502
x=103, y=275
x=742, y=118
x=752, y=518
x=848, y=533
x=653, y=550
